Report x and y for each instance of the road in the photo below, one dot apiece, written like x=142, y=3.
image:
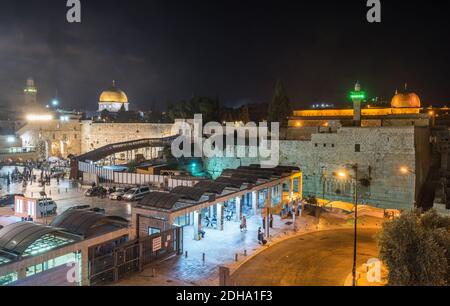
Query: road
x=317, y=259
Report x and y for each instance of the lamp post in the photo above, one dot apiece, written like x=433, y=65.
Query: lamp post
x=407, y=171
x=323, y=181
x=354, y=178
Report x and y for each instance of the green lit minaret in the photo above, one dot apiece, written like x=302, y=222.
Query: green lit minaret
x=357, y=97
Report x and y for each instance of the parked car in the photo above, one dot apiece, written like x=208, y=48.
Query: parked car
x=96, y=192
x=47, y=207
x=118, y=194
x=136, y=194
x=8, y=200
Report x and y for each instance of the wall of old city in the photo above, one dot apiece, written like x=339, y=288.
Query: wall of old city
x=96, y=135
x=52, y=138
x=379, y=152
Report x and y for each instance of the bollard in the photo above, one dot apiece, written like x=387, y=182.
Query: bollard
x=236, y=257
x=204, y=256
x=59, y=191
x=186, y=254
x=245, y=252
x=66, y=190
x=153, y=272
x=31, y=194
x=50, y=192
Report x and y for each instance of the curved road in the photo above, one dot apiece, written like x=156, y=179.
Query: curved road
x=317, y=259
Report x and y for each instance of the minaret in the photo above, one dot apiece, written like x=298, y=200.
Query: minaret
x=30, y=92
x=357, y=97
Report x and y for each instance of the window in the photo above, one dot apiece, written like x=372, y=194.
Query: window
x=332, y=145
x=153, y=230
x=316, y=145
x=357, y=148
x=324, y=145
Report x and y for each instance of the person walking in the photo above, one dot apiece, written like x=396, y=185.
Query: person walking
x=260, y=236
x=243, y=224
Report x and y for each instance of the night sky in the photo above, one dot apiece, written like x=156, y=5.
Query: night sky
x=166, y=50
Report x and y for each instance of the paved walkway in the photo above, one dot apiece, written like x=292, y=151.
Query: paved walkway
x=66, y=194
x=220, y=249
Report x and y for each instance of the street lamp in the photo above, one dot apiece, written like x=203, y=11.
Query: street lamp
x=344, y=175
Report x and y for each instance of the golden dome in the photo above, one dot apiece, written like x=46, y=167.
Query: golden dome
x=113, y=95
x=401, y=100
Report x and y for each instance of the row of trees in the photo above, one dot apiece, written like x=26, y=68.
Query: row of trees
x=278, y=110
x=416, y=249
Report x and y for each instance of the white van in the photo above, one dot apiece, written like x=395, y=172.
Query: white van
x=137, y=193
x=48, y=208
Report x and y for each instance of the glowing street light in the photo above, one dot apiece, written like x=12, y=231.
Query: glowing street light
x=343, y=175
x=55, y=102
x=406, y=170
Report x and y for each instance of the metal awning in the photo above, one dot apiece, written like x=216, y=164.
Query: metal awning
x=189, y=193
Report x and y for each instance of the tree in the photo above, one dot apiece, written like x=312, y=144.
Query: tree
x=414, y=248
x=280, y=108
x=122, y=114
x=244, y=115
x=105, y=115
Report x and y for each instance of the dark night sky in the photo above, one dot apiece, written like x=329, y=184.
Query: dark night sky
x=166, y=50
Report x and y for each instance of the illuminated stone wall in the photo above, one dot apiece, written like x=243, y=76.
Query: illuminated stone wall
x=97, y=135
x=382, y=152
x=53, y=138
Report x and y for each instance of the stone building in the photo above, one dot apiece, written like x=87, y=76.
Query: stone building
x=380, y=140
x=53, y=137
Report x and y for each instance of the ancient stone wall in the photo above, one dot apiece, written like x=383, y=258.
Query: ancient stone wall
x=97, y=135
x=380, y=152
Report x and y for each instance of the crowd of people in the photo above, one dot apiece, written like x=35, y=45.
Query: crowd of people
x=27, y=173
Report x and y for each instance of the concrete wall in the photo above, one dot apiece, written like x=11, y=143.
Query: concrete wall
x=383, y=150
x=97, y=135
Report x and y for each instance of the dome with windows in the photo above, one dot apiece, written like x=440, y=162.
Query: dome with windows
x=113, y=99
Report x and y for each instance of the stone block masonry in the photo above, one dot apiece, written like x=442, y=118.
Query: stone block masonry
x=379, y=152
x=97, y=135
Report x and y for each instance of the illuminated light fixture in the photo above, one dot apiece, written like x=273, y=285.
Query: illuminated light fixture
x=33, y=117
x=299, y=124
x=55, y=102
x=30, y=90
x=358, y=95
x=64, y=118
x=406, y=170
x=11, y=139
x=341, y=175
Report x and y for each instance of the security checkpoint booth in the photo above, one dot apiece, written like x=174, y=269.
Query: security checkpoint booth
x=247, y=191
